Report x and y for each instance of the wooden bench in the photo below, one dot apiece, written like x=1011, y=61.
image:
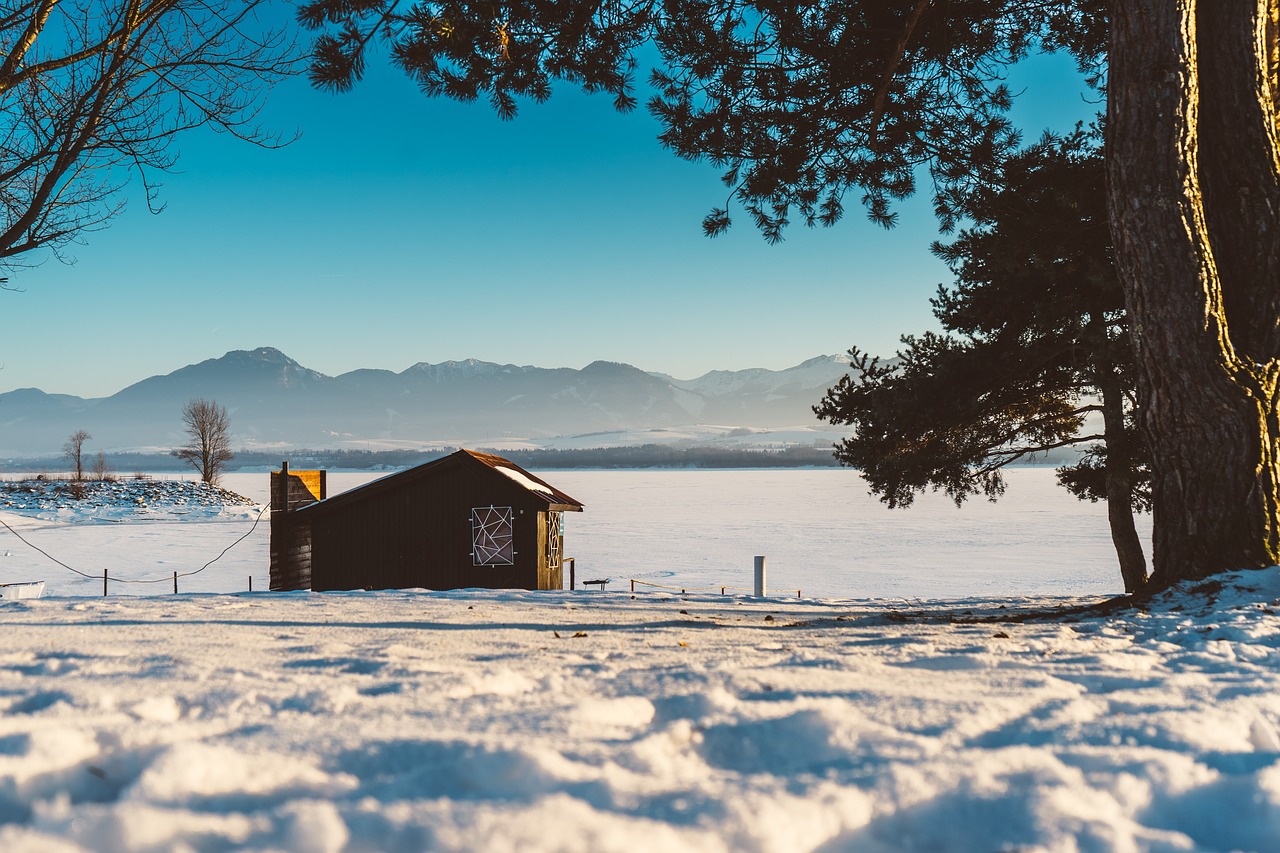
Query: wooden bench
x=600, y=582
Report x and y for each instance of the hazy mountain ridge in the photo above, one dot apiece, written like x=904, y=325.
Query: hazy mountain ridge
x=275, y=401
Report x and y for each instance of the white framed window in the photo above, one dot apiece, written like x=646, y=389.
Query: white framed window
x=492, y=536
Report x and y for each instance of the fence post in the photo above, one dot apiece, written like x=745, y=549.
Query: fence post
x=104, y=583
x=573, y=567
x=633, y=584
x=175, y=583
x=760, y=584
x=250, y=583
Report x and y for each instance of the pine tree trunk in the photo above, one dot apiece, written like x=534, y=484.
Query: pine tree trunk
x=1195, y=198
x=1119, y=487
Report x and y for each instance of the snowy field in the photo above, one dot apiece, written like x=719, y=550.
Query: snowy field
x=909, y=702
x=505, y=721
x=820, y=531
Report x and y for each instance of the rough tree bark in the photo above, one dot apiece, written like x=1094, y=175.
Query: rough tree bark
x=1194, y=189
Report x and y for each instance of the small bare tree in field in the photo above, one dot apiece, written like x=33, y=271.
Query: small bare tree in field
x=101, y=470
x=73, y=452
x=209, y=429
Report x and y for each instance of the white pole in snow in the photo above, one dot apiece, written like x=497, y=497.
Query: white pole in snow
x=760, y=577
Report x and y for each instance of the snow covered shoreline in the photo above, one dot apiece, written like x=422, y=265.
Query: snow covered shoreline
x=116, y=499
x=403, y=721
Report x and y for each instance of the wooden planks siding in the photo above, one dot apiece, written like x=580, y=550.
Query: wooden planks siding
x=549, y=577
x=290, y=554
x=290, y=537
x=418, y=534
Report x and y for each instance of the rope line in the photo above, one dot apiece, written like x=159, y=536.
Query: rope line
x=254, y=526
x=42, y=551
x=261, y=513
x=683, y=589
x=166, y=579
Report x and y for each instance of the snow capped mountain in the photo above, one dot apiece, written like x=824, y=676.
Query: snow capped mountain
x=815, y=373
x=274, y=400
x=760, y=397
x=454, y=371
x=261, y=371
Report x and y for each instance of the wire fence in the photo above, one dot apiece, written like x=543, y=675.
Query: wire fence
x=142, y=581
x=722, y=589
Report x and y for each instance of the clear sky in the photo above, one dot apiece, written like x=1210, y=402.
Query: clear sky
x=401, y=229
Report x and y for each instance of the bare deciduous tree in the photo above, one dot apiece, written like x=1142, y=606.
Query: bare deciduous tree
x=92, y=91
x=73, y=452
x=101, y=470
x=209, y=428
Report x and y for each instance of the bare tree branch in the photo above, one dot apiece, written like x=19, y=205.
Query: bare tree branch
x=92, y=93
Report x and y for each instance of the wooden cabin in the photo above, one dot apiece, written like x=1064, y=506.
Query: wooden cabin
x=466, y=520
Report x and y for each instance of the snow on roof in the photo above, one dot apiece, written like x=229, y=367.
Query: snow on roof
x=518, y=475
x=524, y=479
x=546, y=492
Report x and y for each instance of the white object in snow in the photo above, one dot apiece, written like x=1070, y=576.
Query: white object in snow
x=28, y=589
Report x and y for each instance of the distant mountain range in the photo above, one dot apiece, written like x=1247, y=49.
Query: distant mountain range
x=275, y=402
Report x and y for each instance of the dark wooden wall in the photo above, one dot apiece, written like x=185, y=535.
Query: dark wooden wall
x=290, y=554
x=418, y=534
x=291, y=538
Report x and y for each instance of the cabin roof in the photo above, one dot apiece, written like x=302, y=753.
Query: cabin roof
x=534, y=486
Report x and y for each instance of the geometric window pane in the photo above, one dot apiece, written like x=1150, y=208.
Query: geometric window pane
x=555, y=533
x=492, y=539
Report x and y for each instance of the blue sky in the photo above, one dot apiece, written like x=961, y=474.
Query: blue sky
x=400, y=229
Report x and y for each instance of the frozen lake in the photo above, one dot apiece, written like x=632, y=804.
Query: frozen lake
x=819, y=529
x=823, y=534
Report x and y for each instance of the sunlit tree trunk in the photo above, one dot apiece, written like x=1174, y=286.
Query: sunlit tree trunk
x=1195, y=206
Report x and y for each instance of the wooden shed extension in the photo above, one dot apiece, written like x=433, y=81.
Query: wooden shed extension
x=466, y=520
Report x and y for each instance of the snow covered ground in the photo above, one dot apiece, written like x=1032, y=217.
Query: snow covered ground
x=934, y=717
x=588, y=721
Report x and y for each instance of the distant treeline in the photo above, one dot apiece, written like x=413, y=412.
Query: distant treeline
x=640, y=456
x=662, y=456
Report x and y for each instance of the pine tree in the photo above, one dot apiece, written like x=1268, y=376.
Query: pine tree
x=1036, y=350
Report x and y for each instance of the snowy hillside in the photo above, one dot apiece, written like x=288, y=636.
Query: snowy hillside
x=410, y=721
